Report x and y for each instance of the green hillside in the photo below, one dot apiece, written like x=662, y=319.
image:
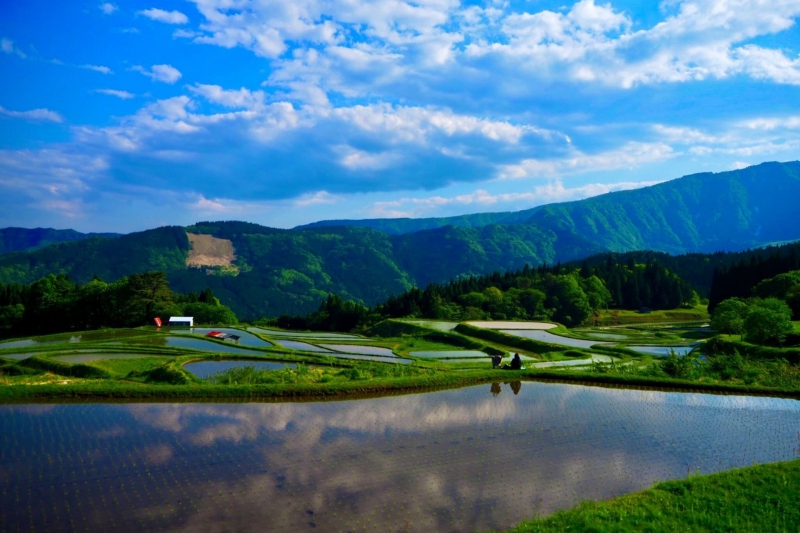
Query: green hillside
x=706, y=212
x=279, y=271
x=162, y=249
x=23, y=239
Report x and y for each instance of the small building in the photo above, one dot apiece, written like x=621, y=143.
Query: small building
x=181, y=321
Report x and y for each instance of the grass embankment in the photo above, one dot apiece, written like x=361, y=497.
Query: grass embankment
x=757, y=498
x=353, y=384
x=622, y=317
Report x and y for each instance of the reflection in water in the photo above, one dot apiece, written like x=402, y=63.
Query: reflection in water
x=459, y=460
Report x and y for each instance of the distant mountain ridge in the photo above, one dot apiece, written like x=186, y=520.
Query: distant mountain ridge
x=705, y=212
x=23, y=239
x=284, y=271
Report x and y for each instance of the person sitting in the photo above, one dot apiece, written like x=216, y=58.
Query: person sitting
x=516, y=363
x=496, y=360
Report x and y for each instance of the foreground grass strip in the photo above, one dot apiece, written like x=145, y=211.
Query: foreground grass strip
x=120, y=390
x=758, y=498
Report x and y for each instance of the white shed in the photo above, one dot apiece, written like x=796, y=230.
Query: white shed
x=185, y=321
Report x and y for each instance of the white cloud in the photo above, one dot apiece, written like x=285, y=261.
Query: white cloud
x=108, y=8
x=629, y=156
x=168, y=17
x=356, y=160
x=34, y=115
x=98, y=68
x=481, y=199
x=163, y=73
x=242, y=98
x=125, y=95
x=417, y=124
x=316, y=198
x=7, y=46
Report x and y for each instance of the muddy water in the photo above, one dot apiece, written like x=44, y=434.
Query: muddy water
x=204, y=369
x=474, y=459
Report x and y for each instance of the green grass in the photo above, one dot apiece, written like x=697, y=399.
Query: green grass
x=758, y=498
x=621, y=317
x=123, y=367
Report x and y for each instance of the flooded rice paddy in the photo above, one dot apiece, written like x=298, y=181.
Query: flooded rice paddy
x=544, y=336
x=474, y=459
x=661, y=351
x=360, y=349
x=192, y=344
x=245, y=339
x=302, y=346
x=71, y=338
x=204, y=369
x=303, y=334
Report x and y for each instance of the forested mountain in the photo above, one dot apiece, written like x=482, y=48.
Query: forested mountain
x=563, y=293
x=700, y=270
x=275, y=271
x=163, y=249
x=291, y=271
x=705, y=212
x=22, y=239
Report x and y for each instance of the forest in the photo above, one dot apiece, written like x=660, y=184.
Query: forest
x=562, y=293
x=56, y=304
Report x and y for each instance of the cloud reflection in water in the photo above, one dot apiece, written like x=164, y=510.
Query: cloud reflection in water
x=464, y=460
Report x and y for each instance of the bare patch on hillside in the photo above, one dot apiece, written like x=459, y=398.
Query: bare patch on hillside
x=209, y=251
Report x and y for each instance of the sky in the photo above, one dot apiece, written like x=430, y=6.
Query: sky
x=128, y=115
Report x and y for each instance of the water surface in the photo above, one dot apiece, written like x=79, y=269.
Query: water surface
x=475, y=459
x=304, y=334
x=544, y=336
x=192, y=344
x=661, y=351
x=246, y=339
x=302, y=346
x=360, y=349
x=84, y=336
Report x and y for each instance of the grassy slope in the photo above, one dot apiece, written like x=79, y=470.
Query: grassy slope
x=758, y=498
x=613, y=318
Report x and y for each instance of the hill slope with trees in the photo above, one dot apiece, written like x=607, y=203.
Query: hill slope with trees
x=706, y=212
x=23, y=239
x=280, y=271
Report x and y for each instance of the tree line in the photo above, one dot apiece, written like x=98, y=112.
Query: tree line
x=739, y=280
x=562, y=293
x=55, y=304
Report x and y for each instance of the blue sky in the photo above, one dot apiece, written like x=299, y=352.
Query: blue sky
x=126, y=115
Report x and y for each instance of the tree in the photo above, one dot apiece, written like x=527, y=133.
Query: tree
x=146, y=293
x=729, y=316
x=769, y=320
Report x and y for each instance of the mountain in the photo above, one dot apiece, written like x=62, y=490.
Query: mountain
x=705, y=212
x=22, y=239
x=261, y=271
